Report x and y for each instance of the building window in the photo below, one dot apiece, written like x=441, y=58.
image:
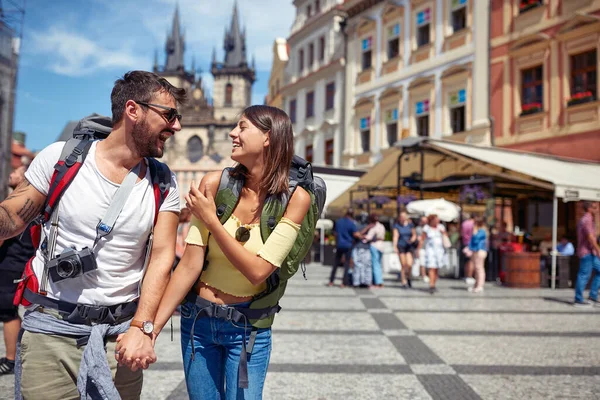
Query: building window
x=228, y=95
x=195, y=149
x=329, y=96
x=583, y=77
x=457, y=111
x=366, y=53
x=300, y=61
x=423, y=125
x=393, y=49
x=310, y=104
x=423, y=22
x=459, y=15
x=365, y=134
x=422, y=114
x=308, y=152
x=532, y=94
x=309, y=11
x=322, y=48
x=526, y=5
x=293, y=111
x=391, y=123
x=317, y=6
x=329, y=152
x=311, y=55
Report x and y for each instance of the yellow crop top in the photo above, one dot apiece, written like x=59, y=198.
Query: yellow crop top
x=223, y=275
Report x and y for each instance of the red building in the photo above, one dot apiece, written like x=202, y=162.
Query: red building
x=543, y=76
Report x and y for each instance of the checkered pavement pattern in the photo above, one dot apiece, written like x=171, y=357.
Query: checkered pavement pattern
x=393, y=343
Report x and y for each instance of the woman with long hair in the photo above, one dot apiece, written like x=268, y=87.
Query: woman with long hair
x=239, y=262
x=478, y=246
x=403, y=238
x=432, y=239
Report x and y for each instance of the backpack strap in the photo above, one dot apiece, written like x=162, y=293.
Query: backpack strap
x=228, y=195
x=71, y=159
x=161, y=183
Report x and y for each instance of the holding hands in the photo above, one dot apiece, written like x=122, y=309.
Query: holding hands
x=135, y=349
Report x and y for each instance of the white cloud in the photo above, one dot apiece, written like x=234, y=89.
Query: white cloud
x=130, y=32
x=73, y=54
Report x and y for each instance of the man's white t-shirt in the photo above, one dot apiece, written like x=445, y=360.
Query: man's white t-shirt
x=120, y=255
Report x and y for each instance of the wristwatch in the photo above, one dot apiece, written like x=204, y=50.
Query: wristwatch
x=146, y=326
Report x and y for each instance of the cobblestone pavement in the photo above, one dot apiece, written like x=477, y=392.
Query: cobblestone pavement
x=390, y=343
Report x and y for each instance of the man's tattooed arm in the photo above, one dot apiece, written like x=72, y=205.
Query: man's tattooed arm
x=19, y=209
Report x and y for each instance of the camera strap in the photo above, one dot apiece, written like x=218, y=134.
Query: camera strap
x=104, y=227
x=107, y=223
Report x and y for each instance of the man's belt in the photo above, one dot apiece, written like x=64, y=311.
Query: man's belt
x=83, y=313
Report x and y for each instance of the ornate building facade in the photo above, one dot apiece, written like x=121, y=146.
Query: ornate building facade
x=203, y=143
x=414, y=68
x=544, y=65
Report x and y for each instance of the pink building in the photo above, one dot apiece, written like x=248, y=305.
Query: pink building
x=543, y=76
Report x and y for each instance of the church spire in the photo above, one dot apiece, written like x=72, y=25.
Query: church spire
x=175, y=45
x=235, y=42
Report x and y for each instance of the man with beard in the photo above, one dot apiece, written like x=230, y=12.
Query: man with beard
x=89, y=332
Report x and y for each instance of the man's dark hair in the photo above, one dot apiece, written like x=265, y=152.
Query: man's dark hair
x=140, y=86
x=587, y=205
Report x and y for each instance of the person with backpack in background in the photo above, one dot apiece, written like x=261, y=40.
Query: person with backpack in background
x=102, y=222
x=239, y=256
x=14, y=254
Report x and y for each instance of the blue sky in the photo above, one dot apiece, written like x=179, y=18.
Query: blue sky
x=73, y=51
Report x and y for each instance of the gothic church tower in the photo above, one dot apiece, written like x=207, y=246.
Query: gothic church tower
x=233, y=78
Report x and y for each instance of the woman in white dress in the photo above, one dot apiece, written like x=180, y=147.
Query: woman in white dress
x=432, y=241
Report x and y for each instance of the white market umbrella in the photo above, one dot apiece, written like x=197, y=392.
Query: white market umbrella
x=324, y=224
x=444, y=209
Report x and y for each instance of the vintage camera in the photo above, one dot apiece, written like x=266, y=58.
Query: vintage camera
x=72, y=263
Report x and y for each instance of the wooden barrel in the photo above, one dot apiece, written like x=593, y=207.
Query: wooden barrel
x=522, y=270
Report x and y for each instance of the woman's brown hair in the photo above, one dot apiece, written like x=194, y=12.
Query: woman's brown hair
x=278, y=155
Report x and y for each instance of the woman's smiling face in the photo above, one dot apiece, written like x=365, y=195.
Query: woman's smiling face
x=248, y=142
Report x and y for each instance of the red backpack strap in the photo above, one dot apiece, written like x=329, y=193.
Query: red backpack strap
x=71, y=159
x=161, y=183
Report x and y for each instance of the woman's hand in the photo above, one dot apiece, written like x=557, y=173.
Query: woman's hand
x=202, y=205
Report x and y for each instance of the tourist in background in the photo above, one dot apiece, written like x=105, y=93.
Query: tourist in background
x=588, y=252
x=478, y=247
x=432, y=242
x=466, y=232
x=14, y=254
x=404, y=236
x=345, y=232
x=420, y=250
x=564, y=247
x=375, y=234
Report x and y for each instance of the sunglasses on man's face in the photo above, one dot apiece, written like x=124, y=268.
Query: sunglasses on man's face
x=169, y=116
x=242, y=234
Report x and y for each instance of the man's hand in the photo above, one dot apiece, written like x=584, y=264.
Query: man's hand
x=135, y=349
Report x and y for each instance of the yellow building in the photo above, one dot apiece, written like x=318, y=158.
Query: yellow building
x=414, y=68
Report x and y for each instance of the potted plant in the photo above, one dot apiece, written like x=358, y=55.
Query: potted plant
x=580, y=98
x=472, y=194
x=526, y=5
x=531, y=108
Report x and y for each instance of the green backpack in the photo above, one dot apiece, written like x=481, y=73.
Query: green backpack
x=226, y=200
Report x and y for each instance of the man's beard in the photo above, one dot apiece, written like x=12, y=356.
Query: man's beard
x=145, y=141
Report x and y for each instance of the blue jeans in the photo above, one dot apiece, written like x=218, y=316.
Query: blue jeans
x=586, y=265
x=213, y=374
x=376, y=262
